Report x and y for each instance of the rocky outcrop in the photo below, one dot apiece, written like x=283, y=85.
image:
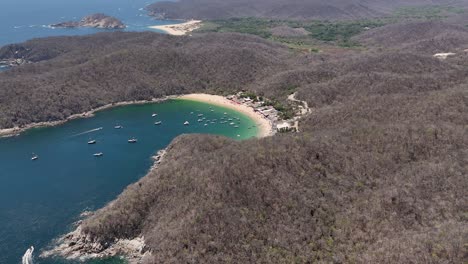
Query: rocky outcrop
x=95, y=21
x=79, y=246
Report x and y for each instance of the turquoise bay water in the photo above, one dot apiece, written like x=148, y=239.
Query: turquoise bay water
x=21, y=20
x=39, y=200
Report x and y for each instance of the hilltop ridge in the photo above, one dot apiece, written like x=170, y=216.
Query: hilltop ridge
x=284, y=9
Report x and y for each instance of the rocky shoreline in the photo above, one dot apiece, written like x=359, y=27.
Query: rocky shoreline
x=16, y=131
x=76, y=245
x=95, y=21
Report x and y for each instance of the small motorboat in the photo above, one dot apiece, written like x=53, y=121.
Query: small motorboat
x=34, y=157
x=232, y=123
x=200, y=120
x=186, y=123
x=132, y=140
x=225, y=113
x=236, y=126
x=118, y=127
x=154, y=115
x=158, y=123
x=200, y=115
x=99, y=154
x=206, y=124
x=91, y=142
x=191, y=113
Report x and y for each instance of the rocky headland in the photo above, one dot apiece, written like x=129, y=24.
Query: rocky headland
x=94, y=21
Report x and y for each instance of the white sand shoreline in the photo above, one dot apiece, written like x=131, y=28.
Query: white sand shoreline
x=179, y=29
x=265, y=127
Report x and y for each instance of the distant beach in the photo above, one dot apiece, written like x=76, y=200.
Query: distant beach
x=179, y=29
x=263, y=124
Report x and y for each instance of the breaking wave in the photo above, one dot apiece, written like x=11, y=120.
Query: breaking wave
x=28, y=256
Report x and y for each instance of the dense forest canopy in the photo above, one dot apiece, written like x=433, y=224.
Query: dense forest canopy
x=377, y=173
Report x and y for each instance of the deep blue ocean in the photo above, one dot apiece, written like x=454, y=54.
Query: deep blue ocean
x=21, y=20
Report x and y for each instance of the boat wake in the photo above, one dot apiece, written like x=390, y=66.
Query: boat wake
x=28, y=256
x=87, y=132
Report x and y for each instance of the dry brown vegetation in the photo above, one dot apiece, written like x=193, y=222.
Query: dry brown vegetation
x=421, y=37
x=77, y=74
x=378, y=173
x=285, y=9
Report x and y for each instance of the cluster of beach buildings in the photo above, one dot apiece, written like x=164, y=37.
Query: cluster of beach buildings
x=268, y=112
x=13, y=62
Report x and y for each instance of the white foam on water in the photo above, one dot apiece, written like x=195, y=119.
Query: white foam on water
x=87, y=132
x=28, y=256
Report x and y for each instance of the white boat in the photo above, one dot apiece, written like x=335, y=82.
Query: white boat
x=206, y=124
x=236, y=126
x=34, y=157
x=100, y=154
x=132, y=140
x=154, y=115
x=200, y=115
x=158, y=123
x=186, y=123
x=118, y=127
x=232, y=123
x=92, y=142
x=200, y=120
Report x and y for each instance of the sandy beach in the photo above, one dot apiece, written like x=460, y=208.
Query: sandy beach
x=179, y=29
x=265, y=128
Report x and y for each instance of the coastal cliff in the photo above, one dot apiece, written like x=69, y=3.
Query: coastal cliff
x=95, y=21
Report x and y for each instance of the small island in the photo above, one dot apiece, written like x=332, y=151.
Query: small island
x=95, y=21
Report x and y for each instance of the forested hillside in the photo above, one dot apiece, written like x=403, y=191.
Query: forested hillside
x=286, y=9
x=378, y=173
x=428, y=37
x=83, y=73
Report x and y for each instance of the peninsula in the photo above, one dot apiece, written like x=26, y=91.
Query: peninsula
x=95, y=21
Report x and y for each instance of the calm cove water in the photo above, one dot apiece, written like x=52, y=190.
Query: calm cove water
x=39, y=200
x=21, y=20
